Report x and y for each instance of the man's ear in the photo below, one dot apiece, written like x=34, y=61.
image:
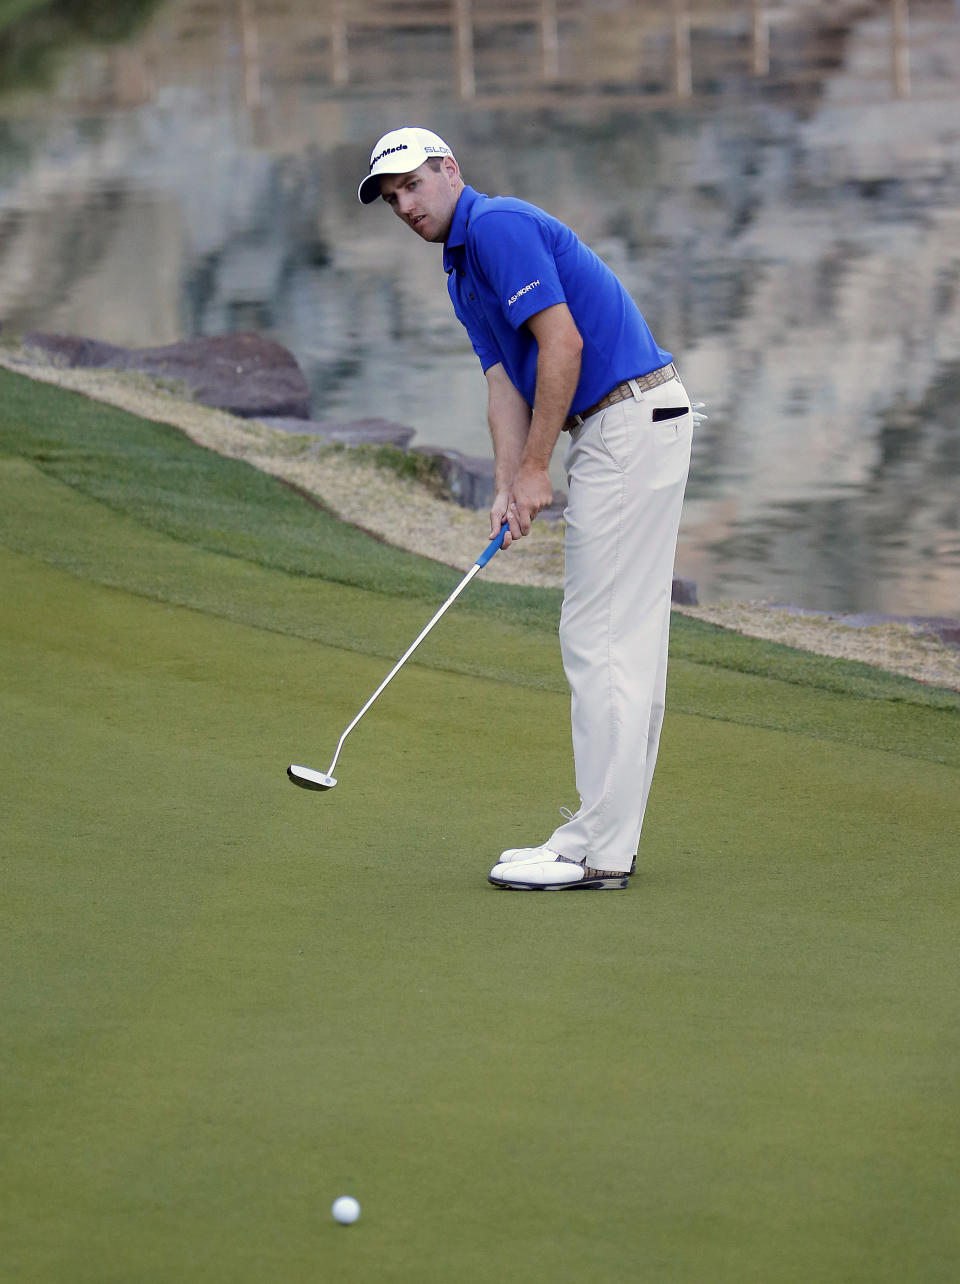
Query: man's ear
x=451, y=168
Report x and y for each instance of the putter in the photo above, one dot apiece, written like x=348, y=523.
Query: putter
x=306, y=777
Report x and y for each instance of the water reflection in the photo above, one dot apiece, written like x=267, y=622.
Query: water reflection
x=776, y=184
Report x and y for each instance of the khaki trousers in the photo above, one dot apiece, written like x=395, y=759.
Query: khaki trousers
x=626, y=474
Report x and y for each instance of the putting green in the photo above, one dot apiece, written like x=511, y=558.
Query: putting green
x=227, y=1001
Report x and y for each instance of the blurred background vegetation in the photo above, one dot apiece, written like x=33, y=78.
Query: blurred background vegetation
x=34, y=34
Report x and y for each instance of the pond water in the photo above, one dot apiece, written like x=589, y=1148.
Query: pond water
x=778, y=184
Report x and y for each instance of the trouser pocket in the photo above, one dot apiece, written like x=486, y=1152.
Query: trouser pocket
x=672, y=437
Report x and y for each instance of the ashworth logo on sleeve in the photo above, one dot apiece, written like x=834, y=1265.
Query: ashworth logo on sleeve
x=531, y=285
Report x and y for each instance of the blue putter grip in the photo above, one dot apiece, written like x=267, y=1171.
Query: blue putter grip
x=495, y=544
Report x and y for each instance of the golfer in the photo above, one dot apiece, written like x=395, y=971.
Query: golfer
x=565, y=350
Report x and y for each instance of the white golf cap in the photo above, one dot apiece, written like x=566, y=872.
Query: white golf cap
x=399, y=152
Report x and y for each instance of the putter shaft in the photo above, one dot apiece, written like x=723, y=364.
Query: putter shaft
x=309, y=779
x=404, y=658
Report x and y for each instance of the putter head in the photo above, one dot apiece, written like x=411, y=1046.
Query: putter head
x=307, y=778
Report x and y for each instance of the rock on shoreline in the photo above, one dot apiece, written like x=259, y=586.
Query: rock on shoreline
x=243, y=374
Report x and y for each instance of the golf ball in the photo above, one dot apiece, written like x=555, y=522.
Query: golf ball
x=345, y=1210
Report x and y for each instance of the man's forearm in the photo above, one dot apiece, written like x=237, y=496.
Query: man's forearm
x=509, y=419
x=524, y=441
x=509, y=436
x=558, y=373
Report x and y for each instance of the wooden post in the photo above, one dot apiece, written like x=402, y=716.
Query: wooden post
x=339, y=52
x=682, y=68
x=760, y=32
x=549, y=40
x=463, y=32
x=900, y=47
x=250, y=44
x=130, y=77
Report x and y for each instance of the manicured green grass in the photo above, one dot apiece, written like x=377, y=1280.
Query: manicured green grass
x=227, y=1001
x=155, y=475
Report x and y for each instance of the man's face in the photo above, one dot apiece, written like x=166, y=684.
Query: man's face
x=425, y=198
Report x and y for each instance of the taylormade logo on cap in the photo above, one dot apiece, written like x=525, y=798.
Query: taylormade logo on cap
x=399, y=152
x=401, y=147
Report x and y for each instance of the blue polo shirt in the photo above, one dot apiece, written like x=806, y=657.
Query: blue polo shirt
x=507, y=260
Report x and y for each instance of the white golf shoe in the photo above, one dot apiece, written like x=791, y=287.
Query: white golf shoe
x=548, y=872
x=542, y=852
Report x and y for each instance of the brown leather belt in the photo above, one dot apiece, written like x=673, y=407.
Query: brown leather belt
x=642, y=383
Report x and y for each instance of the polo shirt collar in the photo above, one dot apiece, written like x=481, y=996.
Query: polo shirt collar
x=457, y=236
